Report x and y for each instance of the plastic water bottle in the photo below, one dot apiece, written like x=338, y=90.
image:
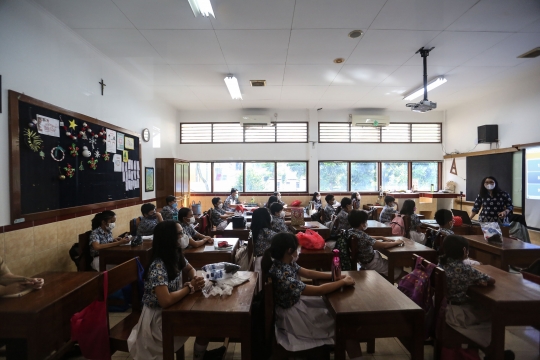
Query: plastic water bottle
x=432, y=187
x=336, y=266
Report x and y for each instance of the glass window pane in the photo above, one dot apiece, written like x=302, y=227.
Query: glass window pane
x=394, y=176
x=333, y=176
x=291, y=176
x=424, y=174
x=200, y=175
x=364, y=176
x=260, y=176
x=228, y=176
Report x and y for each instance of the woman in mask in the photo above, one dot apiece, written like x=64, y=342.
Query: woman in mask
x=150, y=218
x=170, y=211
x=101, y=237
x=495, y=203
x=219, y=215
x=196, y=239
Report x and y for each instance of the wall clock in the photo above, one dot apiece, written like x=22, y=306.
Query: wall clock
x=146, y=135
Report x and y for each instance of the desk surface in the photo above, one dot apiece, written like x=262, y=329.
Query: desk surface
x=230, y=227
x=145, y=246
x=410, y=247
x=200, y=249
x=376, y=224
x=507, y=244
x=318, y=227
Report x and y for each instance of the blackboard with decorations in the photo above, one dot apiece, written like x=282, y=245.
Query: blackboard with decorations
x=62, y=161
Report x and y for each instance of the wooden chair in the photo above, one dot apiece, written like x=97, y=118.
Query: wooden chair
x=407, y=223
x=84, y=252
x=133, y=225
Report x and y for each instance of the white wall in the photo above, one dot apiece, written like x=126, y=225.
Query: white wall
x=41, y=57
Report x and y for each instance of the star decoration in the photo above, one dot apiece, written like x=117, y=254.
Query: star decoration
x=96, y=153
x=93, y=142
x=72, y=124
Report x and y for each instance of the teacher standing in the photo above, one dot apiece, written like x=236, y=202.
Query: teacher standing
x=495, y=203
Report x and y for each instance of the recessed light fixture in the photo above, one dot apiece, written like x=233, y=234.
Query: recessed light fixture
x=530, y=54
x=356, y=34
x=232, y=85
x=339, y=60
x=432, y=84
x=258, y=82
x=203, y=7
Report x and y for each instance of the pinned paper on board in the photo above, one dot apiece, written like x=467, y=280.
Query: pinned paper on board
x=48, y=126
x=111, y=141
x=117, y=161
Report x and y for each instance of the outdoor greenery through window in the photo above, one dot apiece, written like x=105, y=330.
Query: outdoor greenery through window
x=424, y=174
x=395, y=176
x=363, y=176
x=291, y=176
x=228, y=176
x=333, y=176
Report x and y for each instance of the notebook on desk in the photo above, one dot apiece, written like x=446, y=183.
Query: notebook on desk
x=465, y=217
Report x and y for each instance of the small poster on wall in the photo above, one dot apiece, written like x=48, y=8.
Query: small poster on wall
x=125, y=156
x=129, y=143
x=117, y=160
x=48, y=126
x=120, y=141
x=149, y=177
x=111, y=141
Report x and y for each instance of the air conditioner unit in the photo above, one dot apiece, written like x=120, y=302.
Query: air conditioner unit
x=370, y=120
x=251, y=121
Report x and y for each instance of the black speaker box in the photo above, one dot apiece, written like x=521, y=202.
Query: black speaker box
x=488, y=134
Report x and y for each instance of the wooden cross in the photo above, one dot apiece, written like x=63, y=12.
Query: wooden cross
x=102, y=86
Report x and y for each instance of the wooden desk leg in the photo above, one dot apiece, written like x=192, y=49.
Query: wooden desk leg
x=168, y=340
x=417, y=343
x=246, y=341
x=102, y=263
x=339, y=350
x=497, y=338
x=391, y=269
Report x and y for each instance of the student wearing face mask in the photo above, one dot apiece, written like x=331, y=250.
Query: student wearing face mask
x=170, y=211
x=388, y=210
x=329, y=210
x=316, y=200
x=278, y=195
x=196, y=239
x=356, y=198
x=219, y=215
x=101, y=237
x=409, y=209
x=149, y=220
x=261, y=229
x=342, y=213
x=445, y=219
x=495, y=203
x=231, y=200
x=278, y=218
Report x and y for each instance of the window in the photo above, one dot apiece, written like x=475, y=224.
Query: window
x=291, y=176
x=200, y=175
x=396, y=133
x=281, y=132
x=395, y=176
x=365, y=134
x=156, y=137
x=260, y=176
x=425, y=133
x=334, y=132
x=424, y=174
x=228, y=176
x=364, y=176
x=333, y=176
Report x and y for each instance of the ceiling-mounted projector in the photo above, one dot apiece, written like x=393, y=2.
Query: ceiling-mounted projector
x=424, y=105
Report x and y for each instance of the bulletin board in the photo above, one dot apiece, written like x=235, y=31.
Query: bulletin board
x=63, y=162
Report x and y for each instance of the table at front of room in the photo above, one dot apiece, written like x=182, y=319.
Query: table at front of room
x=320, y=228
x=213, y=317
x=197, y=257
x=376, y=228
x=374, y=308
x=402, y=255
x=513, y=301
x=510, y=252
x=120, y=254
x=42, y=317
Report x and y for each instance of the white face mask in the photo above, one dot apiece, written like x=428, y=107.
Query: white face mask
x=220, y=206
x=183, y=241
x=318, y=198
x=358, y=197
x=364, y=227
x=111, y=226
x=192, y=220
x=282, y=214
x=490, y=187
x=295, y=258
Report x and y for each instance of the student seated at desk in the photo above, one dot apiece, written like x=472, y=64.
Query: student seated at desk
x=278, y=218
x=101, y=237
x=388, y=211
x=445, y=219
x=278, y=195
x=168, y=279
x=302, y=318
x=272, y=199
x=170, y=211
x=261, y=229
x=149, y=220
x=356, y=198
x=408, y=208
x=219, y=215
x=186, y=219
x=368, y=255
x=329, y=210
x=12, y=284
x=316, y=200
x=231, y=200
x=342, y=216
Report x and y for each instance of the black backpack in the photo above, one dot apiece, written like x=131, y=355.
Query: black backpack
x=74, y=254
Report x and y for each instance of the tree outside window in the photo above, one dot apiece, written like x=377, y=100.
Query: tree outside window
x=394, y=176
x=291, y=176
x=200, y=177
x=260, y=177
x=363, y=176
x=333, y=176
x=426, y=173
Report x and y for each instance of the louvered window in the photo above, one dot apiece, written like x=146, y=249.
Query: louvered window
x=424, y=133
x=365, y=134
x=227, y=133
x=193, y=133
x=334, y=132
x=260, y=134
x=396, y=132
x=291, y=132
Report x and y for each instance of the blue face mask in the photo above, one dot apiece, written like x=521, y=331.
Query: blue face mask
x=175, y=205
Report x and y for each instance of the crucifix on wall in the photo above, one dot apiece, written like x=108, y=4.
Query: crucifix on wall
x=102, y=86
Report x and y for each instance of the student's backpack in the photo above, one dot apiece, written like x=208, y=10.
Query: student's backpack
x=342, y=244
x=416, y=285
x=74, y=254
x=398, y=226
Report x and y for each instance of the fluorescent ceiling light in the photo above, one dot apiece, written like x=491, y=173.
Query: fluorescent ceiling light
x=232, y=85
x=438, y=81
x=203, y=7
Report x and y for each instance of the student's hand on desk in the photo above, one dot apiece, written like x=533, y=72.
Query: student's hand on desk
x=123, y=241
x=36, y=283
x=503, y=214
x=14, y=288
x=209, y=240
x=347, y=280
x=197, y=282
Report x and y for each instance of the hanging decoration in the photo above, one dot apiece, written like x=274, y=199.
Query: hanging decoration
x=69, y=171
x=85, y=152
x=81, y=167
x=106, y=156
x=61, y=176
x=42, y=154
x=85, y=129
x=97, y=154
x=92, y=142
x=33, y=123
x=61, y=123
x=93, y=163
x=72, y=124
x=103, y=135
x=73, y=150
x=33, y=140
x=54, y=153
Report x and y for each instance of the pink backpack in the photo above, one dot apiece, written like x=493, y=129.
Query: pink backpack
x=416, y=285
x=398, y=226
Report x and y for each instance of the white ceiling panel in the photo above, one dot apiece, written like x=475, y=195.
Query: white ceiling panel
x=310, y=74
x=179, y=93
x=212, y=93
x=297, y=104
x=273, y=74
x=498, y=15
x=163, y=75
x=345, y=93
x=161, y=14
x=505, y=53
x=84, y=14
x=310, y=93
x=252, y=14
x=201, y=74
x=412, y=76
x=335, y=14
x=319, y=46
x=254, y=46
x=259, y=104
x=389, y=47
x=186, y=46
x=387, y=94
x=420, y=14
x=223, y=105
x=330, y=105
x=261, y=93
x=363, y=75
x=465, y=76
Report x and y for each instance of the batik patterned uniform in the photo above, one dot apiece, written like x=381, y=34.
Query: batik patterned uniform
x=169, y=213
x=365, y=245
x=101, y=237
x=342, y=221
x=356, y=204
x=328, y=212
x=263, y=241
x=228, y=203
x=459, y=277
x=415, y=222
x=146, y=226
x=386, y=214
x=492, y=206
x=190, y=231
x=216, y=213
x=278, y=224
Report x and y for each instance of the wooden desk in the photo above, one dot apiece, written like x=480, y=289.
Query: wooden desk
x=217, y=316
x=321, y=229
x=510, y=252
x=376, y=228
x=242, y=234
x=42, y=317
x=316, y=259
x=374, y=308
x=197, y=257
x=119, y=254
x=402, y=255
x=513, y=301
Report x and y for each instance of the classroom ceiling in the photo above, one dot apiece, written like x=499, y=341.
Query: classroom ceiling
x=292, y=44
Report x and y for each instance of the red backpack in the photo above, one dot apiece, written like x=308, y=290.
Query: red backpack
x=398, y=226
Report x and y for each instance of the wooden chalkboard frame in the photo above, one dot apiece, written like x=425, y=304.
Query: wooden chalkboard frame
x=15, y=162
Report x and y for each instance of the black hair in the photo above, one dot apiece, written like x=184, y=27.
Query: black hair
x=328, y=197
x=408, y=207
x=260, y=220
x=272, y=199
x=276, y=193
x=353, y=195
x=215, y=200
x=344, y=203
x=233, y=190
x=484, y=193
x=281, y=244
x=275, y=208
x=314, y=197
x=170, y=198
x=357, y=218
x=452, y=248
x=165, y=247
x=182, y=213
x=102, y=216
x=443, y=216
x=389, y=199
x=146, y=208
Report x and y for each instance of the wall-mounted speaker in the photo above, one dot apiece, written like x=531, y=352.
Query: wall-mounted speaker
x=488, y=134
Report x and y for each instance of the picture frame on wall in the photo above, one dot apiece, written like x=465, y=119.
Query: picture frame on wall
x=129, y=143
x=148, y=179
